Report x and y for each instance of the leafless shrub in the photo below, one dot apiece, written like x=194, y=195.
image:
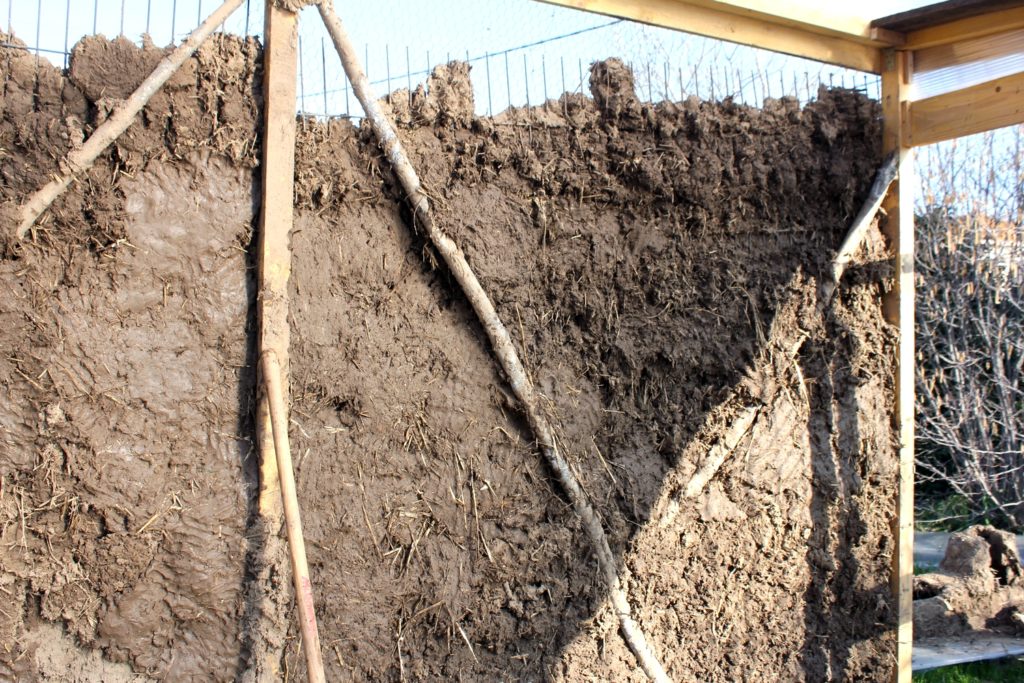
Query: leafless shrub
x=970, y=331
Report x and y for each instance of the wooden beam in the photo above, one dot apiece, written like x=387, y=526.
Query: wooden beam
x=745, y=26
x=815, y=17
x=898, y=307
x=972, y=110
x=965, y=29
x=937, y=13
x=278, y=173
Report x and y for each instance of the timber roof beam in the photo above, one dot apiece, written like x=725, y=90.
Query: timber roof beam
x=954, y=21
x=795, y=27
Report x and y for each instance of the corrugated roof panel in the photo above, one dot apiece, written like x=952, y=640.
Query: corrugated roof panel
x=946, y=68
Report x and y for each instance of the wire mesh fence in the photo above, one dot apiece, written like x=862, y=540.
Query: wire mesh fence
x=521, y=52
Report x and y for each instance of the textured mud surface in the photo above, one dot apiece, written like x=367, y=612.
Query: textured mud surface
x=124, y=410
x=659, y=268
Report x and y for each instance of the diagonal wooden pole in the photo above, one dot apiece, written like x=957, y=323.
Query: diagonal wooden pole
x=123, y=116
x=855, y=236
x=293, y=521
x=501, y=341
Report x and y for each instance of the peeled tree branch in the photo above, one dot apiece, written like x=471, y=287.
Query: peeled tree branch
x=855, y=236
x=271, y=368
x=501, y=341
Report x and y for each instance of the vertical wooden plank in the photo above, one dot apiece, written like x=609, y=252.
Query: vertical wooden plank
x=278, y=174
x=899, y=310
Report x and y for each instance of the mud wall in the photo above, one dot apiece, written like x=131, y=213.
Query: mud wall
x=659, y=268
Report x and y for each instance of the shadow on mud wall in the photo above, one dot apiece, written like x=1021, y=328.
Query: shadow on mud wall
x=827, y=554
x=844, y=608
x=248, y=453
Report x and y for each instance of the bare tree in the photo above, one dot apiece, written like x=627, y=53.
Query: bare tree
x=970, y=331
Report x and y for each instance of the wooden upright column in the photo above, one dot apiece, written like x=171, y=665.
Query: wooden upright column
x=278, y=174
x=899, y=310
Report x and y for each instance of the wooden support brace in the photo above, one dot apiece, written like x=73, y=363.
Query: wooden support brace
x=278, y=173
x=898, y=307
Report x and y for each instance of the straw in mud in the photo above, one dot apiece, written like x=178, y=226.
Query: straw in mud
x=498, y=334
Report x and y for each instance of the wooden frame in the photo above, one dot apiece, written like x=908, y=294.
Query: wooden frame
x=972, y=110
x=839, y=40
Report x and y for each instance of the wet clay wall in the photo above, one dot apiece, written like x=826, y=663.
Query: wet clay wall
x=659, y=268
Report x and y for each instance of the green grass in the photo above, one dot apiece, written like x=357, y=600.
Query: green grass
x=942, y=513
x=1009, y=670
x=953, y=512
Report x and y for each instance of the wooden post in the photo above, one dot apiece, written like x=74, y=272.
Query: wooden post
x=273, y=269
x=278, y=173
x=899, y=309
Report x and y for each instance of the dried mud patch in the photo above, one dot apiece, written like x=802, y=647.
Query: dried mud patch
x=127, y=500
x=976, y=591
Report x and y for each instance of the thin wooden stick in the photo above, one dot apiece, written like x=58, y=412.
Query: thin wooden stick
x=743, y=422
x=883, y=180
x=501, y=342
x=84, y=157
x=720, y=451
x=292, y=521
